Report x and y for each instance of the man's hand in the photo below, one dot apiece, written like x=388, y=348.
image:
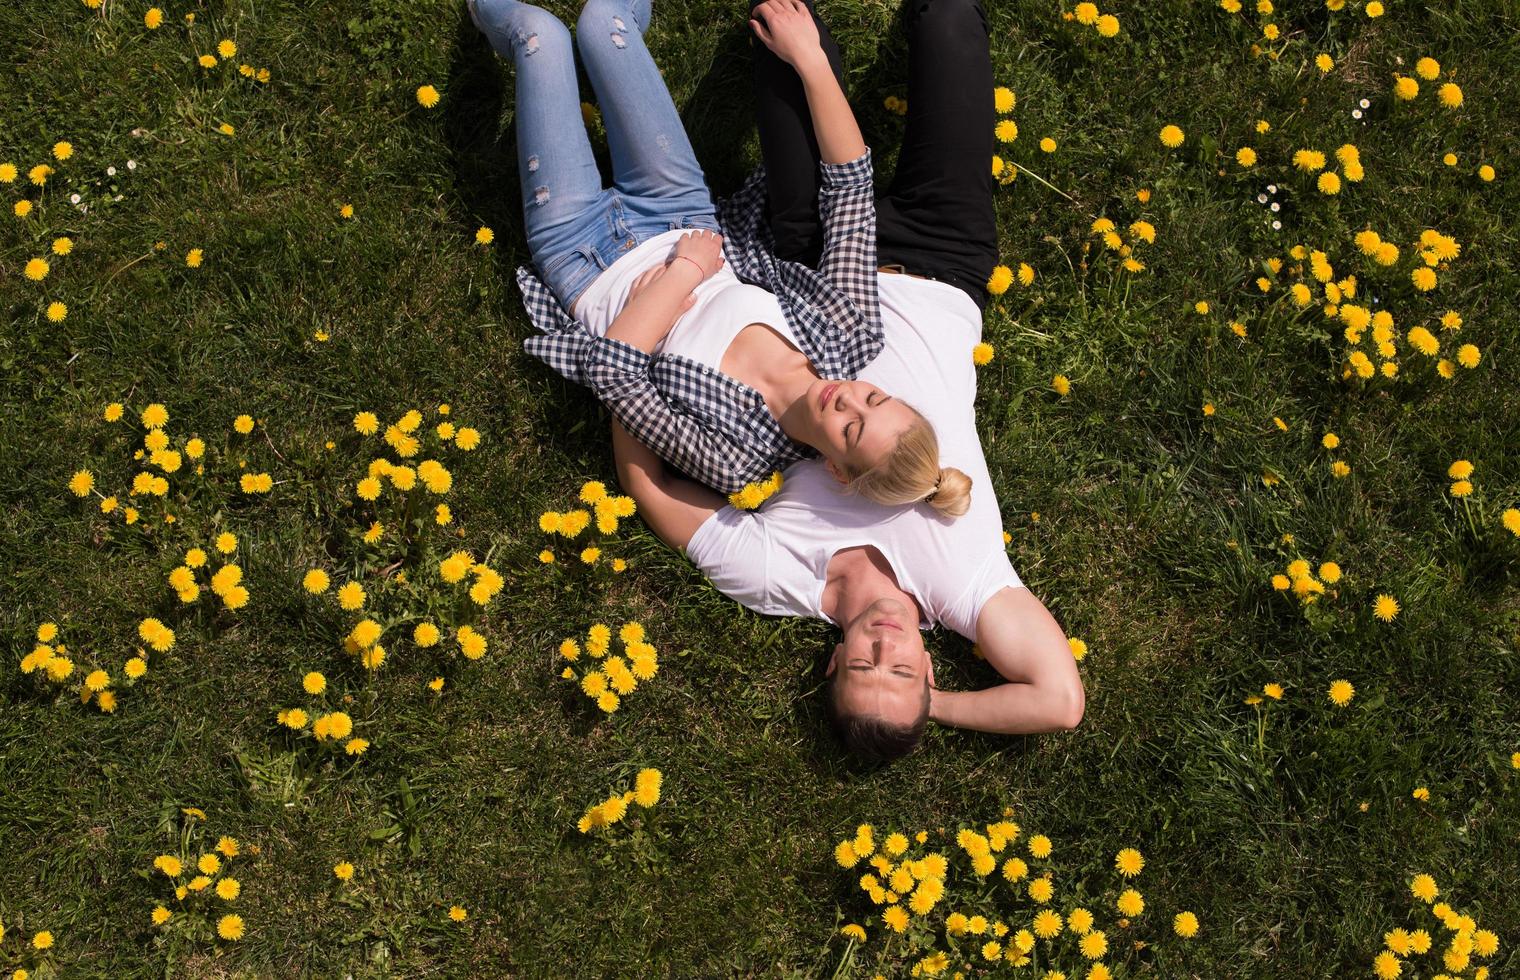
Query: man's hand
x=787, y=28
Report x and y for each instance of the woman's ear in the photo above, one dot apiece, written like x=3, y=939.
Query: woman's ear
x=834, y=471
x=833, y=660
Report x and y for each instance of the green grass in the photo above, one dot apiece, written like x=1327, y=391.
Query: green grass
x=1155, y=539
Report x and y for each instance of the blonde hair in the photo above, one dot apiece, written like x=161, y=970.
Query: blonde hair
x=911, y=474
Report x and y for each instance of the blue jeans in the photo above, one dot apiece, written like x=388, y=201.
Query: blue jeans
x=576, y=227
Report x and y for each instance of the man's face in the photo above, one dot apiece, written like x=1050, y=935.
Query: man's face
x=880, y=666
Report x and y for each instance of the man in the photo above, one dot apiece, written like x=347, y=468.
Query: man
x=881, y=573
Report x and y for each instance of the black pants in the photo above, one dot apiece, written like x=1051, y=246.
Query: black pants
x=936, y=218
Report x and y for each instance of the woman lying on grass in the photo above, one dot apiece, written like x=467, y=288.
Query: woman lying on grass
x=727, y=371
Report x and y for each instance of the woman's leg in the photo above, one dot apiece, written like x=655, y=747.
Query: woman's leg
x=560, y=182
x=790, y=147
x=936, y=218
x=654, y=167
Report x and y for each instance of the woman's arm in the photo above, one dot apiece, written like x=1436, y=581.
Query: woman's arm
x=659, y=297
x=846, y=197
x=787, y=28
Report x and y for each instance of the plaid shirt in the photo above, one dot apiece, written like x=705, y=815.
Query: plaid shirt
x=706, y=424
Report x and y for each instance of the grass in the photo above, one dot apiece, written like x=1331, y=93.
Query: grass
x=1154, y=542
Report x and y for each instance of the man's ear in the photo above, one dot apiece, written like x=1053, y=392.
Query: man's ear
x=833, y=660
x=930, y=658
x=834, y=471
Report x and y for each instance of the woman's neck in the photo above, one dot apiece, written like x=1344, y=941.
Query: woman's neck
x=784, y=388
x=761, y=358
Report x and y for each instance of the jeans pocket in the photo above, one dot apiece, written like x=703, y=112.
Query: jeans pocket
x=568, y=274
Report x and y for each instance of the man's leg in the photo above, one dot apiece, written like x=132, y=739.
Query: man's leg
x=790, y=147
x=654, y=167
x=936, y=219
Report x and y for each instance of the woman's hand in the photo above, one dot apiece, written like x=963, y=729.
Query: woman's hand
x=704, y=249
x=787, y=28
x=650, y=277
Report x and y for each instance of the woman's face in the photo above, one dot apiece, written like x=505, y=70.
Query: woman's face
x=854, y=424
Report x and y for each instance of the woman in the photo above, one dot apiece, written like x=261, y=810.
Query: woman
x=727, y=380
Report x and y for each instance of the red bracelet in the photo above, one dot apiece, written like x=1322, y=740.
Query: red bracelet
x=700, y=271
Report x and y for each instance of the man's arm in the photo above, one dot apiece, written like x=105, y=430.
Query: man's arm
x=1023, y=642
x=673, y=507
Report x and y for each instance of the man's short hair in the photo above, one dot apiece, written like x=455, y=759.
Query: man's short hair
x=874, y=737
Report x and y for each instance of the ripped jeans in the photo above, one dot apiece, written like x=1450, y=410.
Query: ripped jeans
x=577, y=228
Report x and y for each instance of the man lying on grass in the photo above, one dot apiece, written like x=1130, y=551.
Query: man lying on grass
x=813, y=549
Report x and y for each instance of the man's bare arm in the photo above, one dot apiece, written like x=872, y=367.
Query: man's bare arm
x=1043, y=691
x=672, y=506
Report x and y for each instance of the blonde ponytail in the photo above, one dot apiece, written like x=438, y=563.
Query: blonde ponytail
x=911, y=474
x=952, y=494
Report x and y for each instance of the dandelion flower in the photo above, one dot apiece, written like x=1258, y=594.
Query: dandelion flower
x=1185, y=924
x=427, y=96
x=230, y=927
x=1329, y=182
x=1003, y=99
x=484, y=235
x=647, y=784
x=1060, y=384
x=1468, y=356
x=315, y=581
x=982, y=354
x=1006, y=131
x=1171, y=136
x=1341, y=693
x=351, y=596
x=1385, y=607
x=1405, y=88
x=1486, y=173
x=1130, y=902
x=343, y=871
x=1000, y=280
x=1129, y=862
x=1108, y=25
x=1451, y=95
x=1245, y=156
x=1047, y=923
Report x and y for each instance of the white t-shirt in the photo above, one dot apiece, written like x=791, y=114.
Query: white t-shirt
x=775, y=560
x=725, y=305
